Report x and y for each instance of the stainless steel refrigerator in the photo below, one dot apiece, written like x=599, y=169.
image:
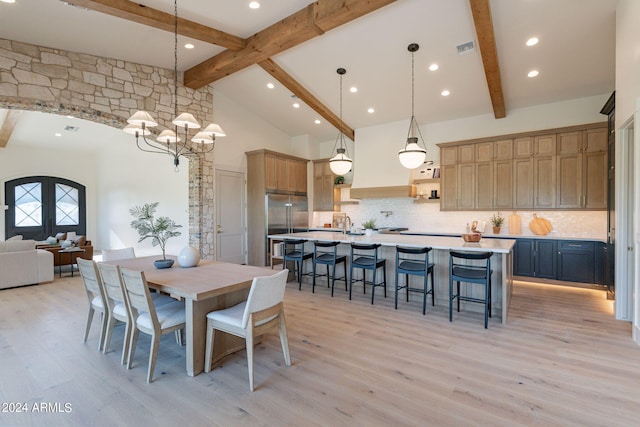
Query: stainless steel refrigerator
x=285, y=214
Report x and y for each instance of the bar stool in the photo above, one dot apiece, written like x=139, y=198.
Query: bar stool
x=293, y=250
x=327, y=253
x=480, y=274
x=365, y=256
x=415, y=261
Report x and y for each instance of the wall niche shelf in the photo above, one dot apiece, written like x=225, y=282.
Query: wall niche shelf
x=426, y=200
x=427, y=181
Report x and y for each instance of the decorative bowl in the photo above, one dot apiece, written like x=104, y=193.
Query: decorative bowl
x=472, y=237
x=163, y=263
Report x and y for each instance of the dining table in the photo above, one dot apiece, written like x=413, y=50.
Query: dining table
x=209, y=286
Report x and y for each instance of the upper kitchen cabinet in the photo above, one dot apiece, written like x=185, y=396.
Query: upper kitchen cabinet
x=280, y=173
x=582, y=169
x=323, y=180
x=554, y=169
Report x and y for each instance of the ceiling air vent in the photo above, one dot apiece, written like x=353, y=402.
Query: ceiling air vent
x=71, y=128
x=466, y=48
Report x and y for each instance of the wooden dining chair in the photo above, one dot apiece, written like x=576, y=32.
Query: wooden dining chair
x=122, y=253
x=154, y=320
x=95, y=294
x=262, y=311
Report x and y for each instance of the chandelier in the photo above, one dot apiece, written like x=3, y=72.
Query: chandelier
x=413, y=155
x=170, y=141
x=340, y=163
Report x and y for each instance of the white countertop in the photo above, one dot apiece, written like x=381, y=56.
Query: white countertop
x=435, y=242
x=550, y=236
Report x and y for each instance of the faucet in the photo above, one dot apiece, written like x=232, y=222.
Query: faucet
x=344, y=224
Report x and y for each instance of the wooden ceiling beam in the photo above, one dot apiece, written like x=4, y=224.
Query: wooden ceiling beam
x=304, y=95
x=142, y=14
x=8, y=126
x=301, y=26
x=481, y=11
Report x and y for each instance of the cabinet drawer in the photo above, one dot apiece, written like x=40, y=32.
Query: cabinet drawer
x=575, y=245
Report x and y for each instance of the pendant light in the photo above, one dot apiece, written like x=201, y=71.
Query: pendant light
x=340, y=164
x=169, y=142
x=413, y=155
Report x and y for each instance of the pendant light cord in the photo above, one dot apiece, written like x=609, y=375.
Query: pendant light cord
x=413, y=122
x=341, y=134
x=175, y=61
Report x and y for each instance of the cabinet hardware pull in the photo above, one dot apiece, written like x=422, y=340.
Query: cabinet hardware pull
x=574, y=246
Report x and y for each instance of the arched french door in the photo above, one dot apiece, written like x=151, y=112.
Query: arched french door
x=42, y=206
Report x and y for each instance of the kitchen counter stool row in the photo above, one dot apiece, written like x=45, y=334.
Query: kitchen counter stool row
x=408, y=261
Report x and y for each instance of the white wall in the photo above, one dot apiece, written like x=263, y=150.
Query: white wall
x=627, y=96
x=17, y=161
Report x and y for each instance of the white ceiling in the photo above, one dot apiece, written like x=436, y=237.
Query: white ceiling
x=575, y=56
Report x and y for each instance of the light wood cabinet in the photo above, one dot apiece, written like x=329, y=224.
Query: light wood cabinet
x=323, y=179
x=582, y=169
x=555, y=169
x=269, y=172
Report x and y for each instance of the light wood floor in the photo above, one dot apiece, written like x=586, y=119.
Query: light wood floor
x=561, y=360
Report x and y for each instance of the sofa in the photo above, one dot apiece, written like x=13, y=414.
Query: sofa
x=62, y=242
x=22, y=264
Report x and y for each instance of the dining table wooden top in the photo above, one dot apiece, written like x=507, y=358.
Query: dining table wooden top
x=206, y=280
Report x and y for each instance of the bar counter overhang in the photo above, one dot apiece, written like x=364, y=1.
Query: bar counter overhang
x=501, y=261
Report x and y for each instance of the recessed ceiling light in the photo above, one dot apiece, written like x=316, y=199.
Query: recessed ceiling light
x=70, y=117
x=433, y=67
x=296, y=105
x=317, y=121
x=445, y=93
x=533, y=73
x=532, y=41
x=270, y=85
x=254, y=5
x=58, y=134
x=189, y=46
x=8, y=1
x=371, y=111
x=353, y=89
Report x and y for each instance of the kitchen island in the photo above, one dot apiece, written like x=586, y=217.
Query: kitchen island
x=501, y=261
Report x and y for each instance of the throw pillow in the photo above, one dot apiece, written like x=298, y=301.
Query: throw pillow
x=16, y=237
x=66, y=243
x=61, y=236
x=80, y=240
x=51, y=240
x=71, y=235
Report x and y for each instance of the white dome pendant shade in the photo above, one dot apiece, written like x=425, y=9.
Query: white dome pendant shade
x=412, y=156
x=340, y=163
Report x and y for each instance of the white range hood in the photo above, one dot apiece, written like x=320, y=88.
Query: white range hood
x=377, y=172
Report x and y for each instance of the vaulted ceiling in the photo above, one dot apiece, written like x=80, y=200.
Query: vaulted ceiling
x=297, y=45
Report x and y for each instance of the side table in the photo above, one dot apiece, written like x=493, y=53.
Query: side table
x=70, y=252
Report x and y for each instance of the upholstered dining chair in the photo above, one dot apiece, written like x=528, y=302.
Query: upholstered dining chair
x=95, y=295
x=113, y=254
x=262, y=311
x=154, y=320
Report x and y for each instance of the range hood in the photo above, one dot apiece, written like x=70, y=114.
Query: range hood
x=377, y=172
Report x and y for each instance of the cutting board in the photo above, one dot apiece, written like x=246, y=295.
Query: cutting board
x=515, y=223
x=540, y=226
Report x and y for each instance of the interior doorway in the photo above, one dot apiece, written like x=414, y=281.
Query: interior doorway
x=230, y=217
x=626, y=250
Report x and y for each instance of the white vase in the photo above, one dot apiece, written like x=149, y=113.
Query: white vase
x=368, y=231
x=188, y=257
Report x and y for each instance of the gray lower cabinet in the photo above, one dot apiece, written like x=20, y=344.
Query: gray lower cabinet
x=535, y=258
x=576, y=261
x=566, y=260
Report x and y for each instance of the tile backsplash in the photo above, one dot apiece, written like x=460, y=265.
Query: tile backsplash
x=427, y=217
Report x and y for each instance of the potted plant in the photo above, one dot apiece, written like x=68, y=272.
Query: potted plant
x=369, y=226
x=159, y=229
x=497, y=220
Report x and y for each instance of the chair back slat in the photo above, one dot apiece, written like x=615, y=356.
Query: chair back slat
x=90, y=277
x=266, y=291
x=137, y=292
x=111, y=280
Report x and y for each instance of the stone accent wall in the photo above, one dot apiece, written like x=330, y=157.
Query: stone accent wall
x=109, y=91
